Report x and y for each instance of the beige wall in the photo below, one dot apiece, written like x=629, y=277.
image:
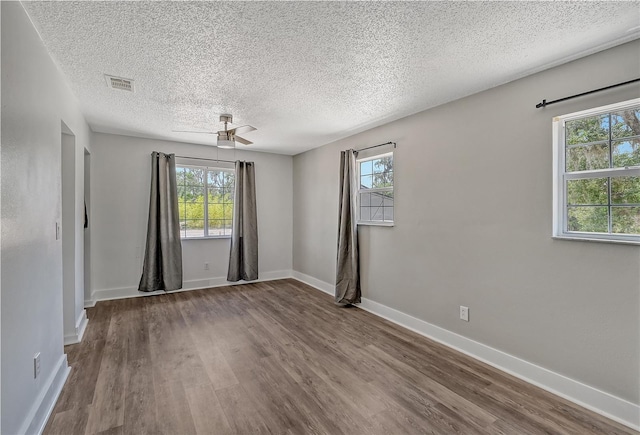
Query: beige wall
x=473, y=227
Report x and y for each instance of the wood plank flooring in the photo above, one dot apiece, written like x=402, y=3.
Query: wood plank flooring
x=280, y=358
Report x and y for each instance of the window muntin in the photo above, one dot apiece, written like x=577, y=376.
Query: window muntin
x=375, y=201
x=205, y=201
x=597, y=181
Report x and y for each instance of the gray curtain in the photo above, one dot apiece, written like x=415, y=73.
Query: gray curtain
x=162, y=269
x=347, y=268
x=243, y=259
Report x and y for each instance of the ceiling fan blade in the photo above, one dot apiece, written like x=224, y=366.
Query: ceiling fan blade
x=242, y=129
x=193, y=131
x=242, y=140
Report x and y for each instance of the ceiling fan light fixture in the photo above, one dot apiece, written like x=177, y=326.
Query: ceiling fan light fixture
x=226, y=143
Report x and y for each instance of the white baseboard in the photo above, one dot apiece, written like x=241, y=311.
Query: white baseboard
x=314, y=282
x=584, y=395
x=195, y=284
x=43, y=406
x=81, y=325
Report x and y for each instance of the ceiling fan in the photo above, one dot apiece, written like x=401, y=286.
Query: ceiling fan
x=228, y=137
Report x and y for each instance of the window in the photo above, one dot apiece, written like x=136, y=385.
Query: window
x=205, y=201
x=375, y=190
x=597, y=174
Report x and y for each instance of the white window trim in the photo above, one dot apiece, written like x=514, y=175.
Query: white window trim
x=560, y=176
x=373, y=190
x=194, y=163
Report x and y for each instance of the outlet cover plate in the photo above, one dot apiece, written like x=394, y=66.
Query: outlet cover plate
x=464, y=313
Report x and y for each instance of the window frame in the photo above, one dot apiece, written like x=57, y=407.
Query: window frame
x=207, y=168
x=359, y=190
x=561, y=176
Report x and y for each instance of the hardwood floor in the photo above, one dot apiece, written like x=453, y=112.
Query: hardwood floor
x=279, y=357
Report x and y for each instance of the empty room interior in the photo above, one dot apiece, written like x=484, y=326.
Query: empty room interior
x=320, y=217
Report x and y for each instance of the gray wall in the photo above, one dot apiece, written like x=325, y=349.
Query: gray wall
x=35, y=100
x=121, y=169
x=473, y=198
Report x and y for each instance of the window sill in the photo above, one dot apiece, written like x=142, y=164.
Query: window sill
x=205, y=238
x=377, y=224
x=594, y=239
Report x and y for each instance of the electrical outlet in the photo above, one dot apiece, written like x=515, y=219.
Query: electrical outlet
x=206, y=266
x=36, y=365
x=464, y=313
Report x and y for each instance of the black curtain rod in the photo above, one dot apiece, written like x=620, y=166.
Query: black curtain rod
x=545, y=103
x=202, y=158
x=379, y=145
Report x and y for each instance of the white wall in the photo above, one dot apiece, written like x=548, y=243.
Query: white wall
x=121, y=171
x=35, y=100
x=473, y=227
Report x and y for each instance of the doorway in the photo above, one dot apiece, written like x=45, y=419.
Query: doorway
x=74, y=318
x=87, y=227
x=68, y=234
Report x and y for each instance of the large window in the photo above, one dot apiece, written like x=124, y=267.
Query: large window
x=205, y=201
x=375, y=190
x=597, y=182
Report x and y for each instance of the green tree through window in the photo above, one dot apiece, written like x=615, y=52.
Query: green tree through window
x=205, y=201
x=601, y=183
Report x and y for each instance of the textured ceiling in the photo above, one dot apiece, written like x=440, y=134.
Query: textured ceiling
x=307, y=73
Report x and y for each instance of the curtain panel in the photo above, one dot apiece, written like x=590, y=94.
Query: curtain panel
x=162, y=268
x=347, y=267
x=243, y=257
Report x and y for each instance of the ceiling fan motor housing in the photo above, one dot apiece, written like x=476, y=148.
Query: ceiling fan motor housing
x=226, y=135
